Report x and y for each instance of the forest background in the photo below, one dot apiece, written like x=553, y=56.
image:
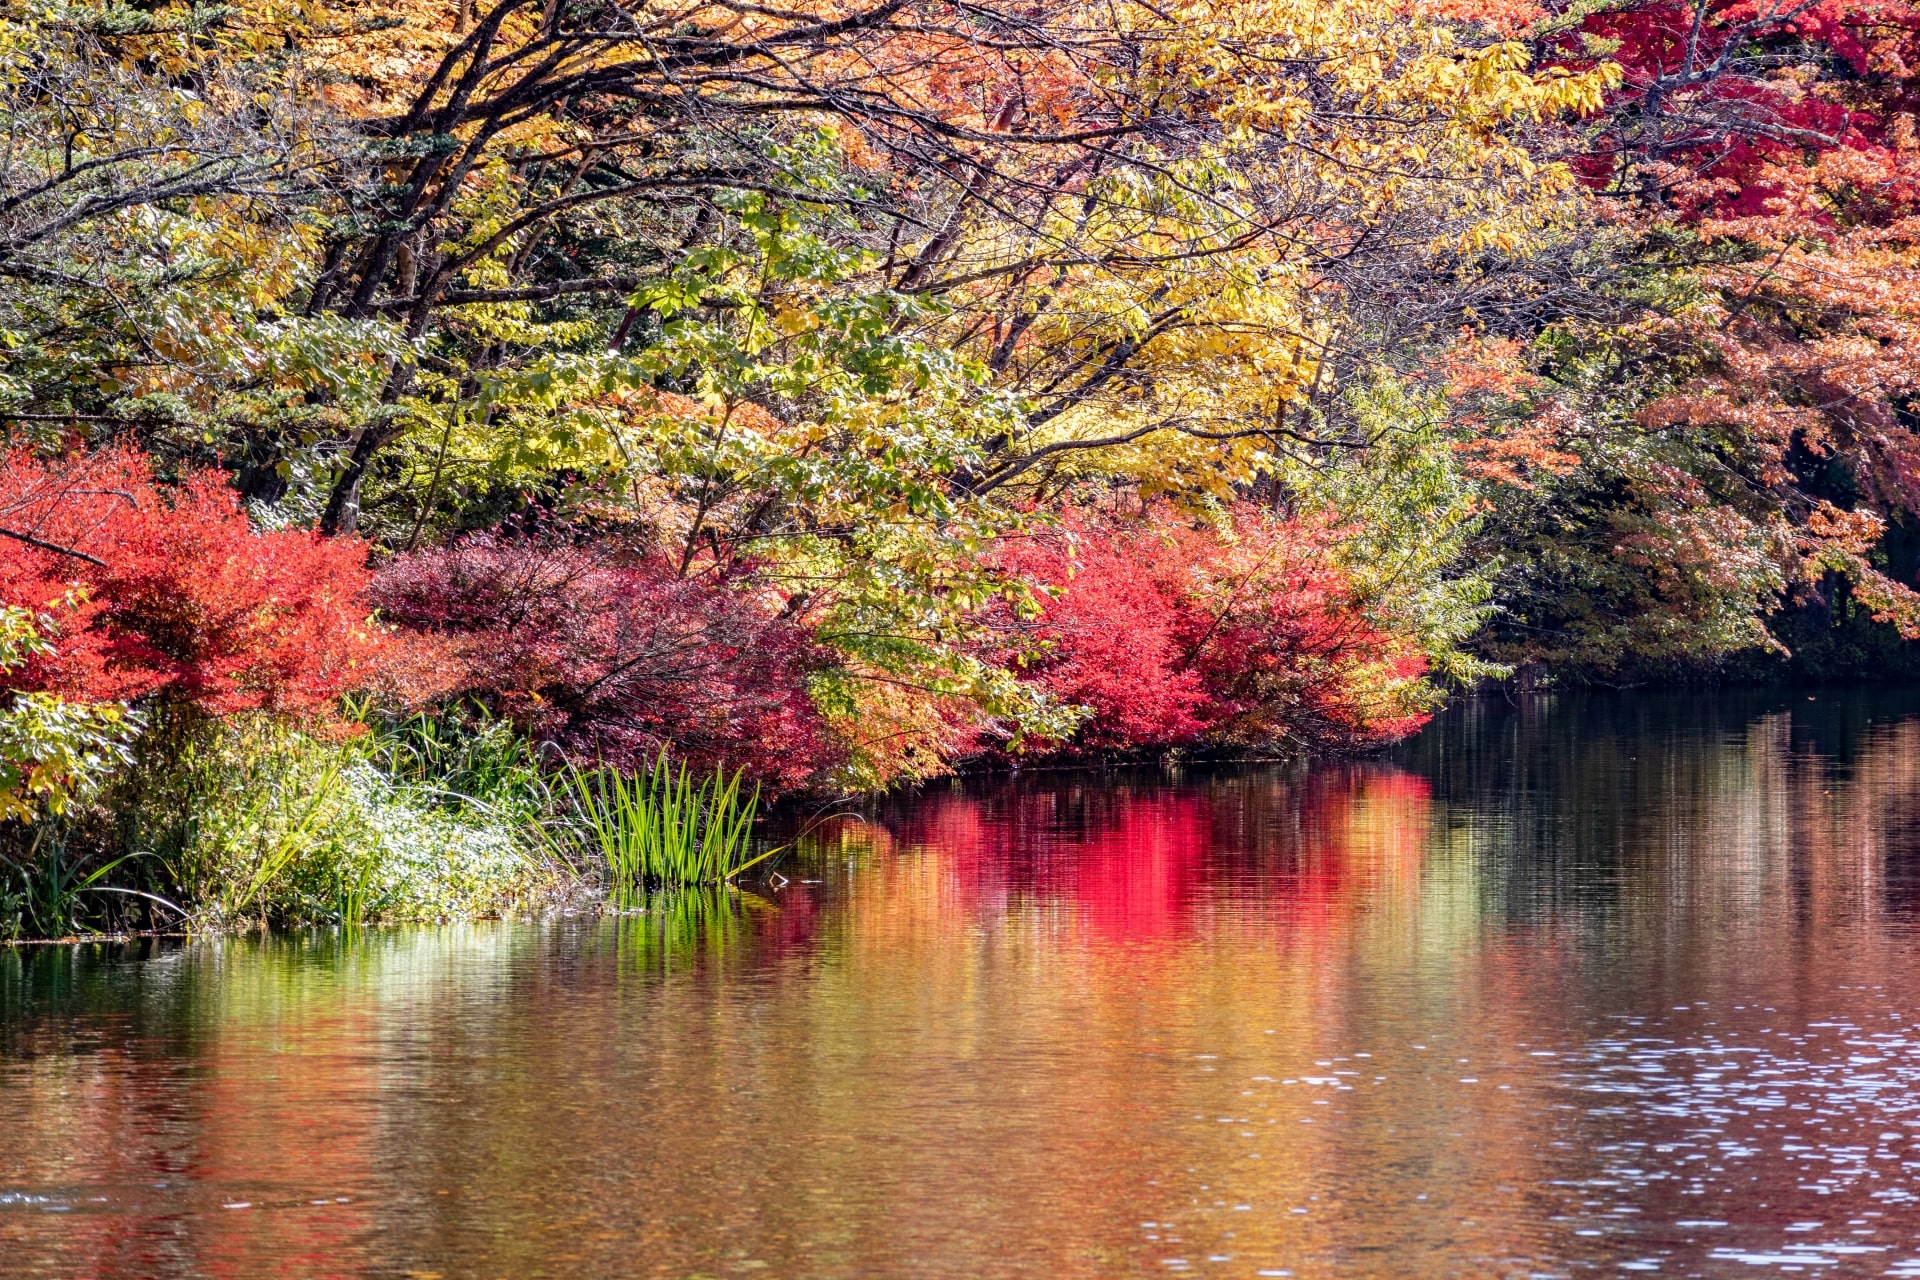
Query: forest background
x=401, y=400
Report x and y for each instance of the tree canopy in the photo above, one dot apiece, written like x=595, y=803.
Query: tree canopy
x=863, y=388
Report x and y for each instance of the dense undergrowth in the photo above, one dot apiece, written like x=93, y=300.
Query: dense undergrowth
x=229, y=823
x=417, y=426
x=252, y=821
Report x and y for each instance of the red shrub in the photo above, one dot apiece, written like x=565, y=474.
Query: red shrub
x=176, y=597
x=1284, y=643
x=1175, y=636
x=1111, y=640
x=615, y=658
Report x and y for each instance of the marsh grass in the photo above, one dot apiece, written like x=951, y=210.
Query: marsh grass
x=57, y=889
x=657, y=829
x=465, y=758
x=248, y=820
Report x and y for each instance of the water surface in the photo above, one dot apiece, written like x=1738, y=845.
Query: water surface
x=1568, y=988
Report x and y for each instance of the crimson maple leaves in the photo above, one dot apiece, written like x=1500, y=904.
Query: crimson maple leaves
x=1174, y=635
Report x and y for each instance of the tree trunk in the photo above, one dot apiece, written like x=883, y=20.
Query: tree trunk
x=343, y=504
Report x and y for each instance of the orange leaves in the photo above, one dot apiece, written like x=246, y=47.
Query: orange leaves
x=1837, y=541
x=1516, y=432
x=1526, y=449
x=1816, y=346
x=1852, y=532
x=1504, y=18
x=1477, y=365
x=1768, y=425
x=1889, y=601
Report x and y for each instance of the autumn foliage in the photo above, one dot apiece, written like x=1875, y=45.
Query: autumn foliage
x=166, y=594
x=917, y=382
x=1175, y=635
x=613, y=657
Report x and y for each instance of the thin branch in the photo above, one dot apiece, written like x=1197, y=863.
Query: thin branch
x=44, y=545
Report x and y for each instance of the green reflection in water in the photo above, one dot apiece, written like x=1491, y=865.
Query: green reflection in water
x=672, y=930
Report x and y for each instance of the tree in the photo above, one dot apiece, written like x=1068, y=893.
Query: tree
x=141, y=594
x=1730, y=355
x=161, y=189
x=1247, y=638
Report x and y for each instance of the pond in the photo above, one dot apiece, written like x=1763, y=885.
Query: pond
x=1573, y=987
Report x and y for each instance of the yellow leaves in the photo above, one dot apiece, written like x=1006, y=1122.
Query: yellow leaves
x=1364, y=100
x=896, y=733
x=790, y=321
x=1241, y=63
x=377, y=55
x=1498, y=78
x=1485, y=88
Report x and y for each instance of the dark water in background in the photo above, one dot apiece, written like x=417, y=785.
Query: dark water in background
x=1578, y=988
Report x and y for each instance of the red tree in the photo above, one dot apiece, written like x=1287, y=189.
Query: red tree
x=168, y=594
x=1109, y=638
x=1175, y=635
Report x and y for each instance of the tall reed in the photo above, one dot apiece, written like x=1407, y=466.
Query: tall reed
x=655, y=828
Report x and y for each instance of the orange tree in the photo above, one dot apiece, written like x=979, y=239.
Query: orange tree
x=1729, y=354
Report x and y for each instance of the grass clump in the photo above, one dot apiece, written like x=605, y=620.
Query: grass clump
x=656, y=829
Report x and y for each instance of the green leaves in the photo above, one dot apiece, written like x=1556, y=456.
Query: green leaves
x=53, y=752
x=1406, y=517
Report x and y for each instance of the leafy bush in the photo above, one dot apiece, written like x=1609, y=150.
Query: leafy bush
x=256, y=819
x=52, y=751
x=613, y=658
x=169, y=595
x=1174, y=635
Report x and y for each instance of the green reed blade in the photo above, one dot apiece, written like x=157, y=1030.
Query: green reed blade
x=664, y=825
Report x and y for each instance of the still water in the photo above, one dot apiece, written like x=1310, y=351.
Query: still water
x=1569, y=988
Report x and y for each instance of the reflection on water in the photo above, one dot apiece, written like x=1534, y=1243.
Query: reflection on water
x=1621, y=985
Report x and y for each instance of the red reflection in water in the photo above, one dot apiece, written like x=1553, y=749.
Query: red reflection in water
x=1130, y=861
x=1134, y=860
x=1349, y=834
